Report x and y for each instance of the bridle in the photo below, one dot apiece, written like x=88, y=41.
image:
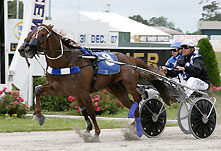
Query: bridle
x=34, y=42
x=39, y=29
x=35, y=45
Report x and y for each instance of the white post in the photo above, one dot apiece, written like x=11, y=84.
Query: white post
x=30, y=85
x=6, y=40
x=17, y=10
x=49, y=10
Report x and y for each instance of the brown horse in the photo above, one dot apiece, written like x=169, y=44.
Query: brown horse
x=63, y=53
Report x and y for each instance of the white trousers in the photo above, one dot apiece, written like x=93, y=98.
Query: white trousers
x=178, y=79
x=194, y=83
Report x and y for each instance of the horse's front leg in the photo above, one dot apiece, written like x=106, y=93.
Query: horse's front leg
x=41, y=89
x=88, y=104
x=83, y=110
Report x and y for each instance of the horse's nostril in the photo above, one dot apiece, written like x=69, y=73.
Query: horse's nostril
x=22, y=52
x=27, y=49
x=21, y=49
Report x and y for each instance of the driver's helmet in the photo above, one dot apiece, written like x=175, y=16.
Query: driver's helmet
x=188, y=43
x=175, y=45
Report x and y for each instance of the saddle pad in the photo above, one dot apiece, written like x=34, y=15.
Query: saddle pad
x=105, y=67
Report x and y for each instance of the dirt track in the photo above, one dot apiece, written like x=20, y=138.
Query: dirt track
x=110, y=140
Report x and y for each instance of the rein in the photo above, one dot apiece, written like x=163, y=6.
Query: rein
x=62, y=52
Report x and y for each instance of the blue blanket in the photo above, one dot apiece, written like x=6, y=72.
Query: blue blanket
x=105, y=67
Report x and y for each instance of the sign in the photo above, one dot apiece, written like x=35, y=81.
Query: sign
x=15, y=26
x=150, y=38
x=14, y=29
x=39, y=12
x=13, y=47
x=90, y=40
x=195, y=38
x=18, y=29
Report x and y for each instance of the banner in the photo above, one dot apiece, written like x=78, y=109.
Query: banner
x=34, y=14
x=195, y=38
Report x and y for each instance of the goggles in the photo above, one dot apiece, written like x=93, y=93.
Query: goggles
x=174, y=50
x=185, y=46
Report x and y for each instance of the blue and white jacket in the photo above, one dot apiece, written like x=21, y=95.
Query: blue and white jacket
x=171, y=62
x=194, y=67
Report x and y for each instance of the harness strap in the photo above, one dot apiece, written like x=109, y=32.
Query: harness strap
x=63, y=71
x=94, y=63
x=84, y=51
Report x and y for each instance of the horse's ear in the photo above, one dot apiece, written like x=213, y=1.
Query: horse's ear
x=51, y=26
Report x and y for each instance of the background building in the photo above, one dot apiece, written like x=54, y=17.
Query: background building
x=213, y=30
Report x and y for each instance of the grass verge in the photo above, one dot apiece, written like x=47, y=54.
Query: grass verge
x=51, y=124
x=9, y=125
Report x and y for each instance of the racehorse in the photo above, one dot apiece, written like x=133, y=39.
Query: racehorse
x=62, y=54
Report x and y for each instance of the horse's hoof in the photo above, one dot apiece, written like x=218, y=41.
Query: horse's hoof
x=95, y=138
x=92, y=139
x=35, y=117
x=139, y=133
x=130, y=133
x=41, y=120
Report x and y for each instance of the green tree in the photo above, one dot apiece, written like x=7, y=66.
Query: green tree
x=155, y=21
x=139, y=19
x=12, y=9
x=210, y=61
x=211, y=12
x=161, y=21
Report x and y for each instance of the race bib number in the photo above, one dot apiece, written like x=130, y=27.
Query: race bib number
x=108, y=57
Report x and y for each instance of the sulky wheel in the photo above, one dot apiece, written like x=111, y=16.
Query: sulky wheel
x=182, y=117
x=153, y=117
x=202, y=118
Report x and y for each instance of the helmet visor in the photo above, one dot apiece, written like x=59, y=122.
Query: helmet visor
x=185, y=46
x=174, y=50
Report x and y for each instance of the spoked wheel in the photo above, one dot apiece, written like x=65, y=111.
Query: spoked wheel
x=182, y=117
x=153, y=117
x=202, y=118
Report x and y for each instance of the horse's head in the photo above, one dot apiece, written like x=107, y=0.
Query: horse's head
x=35, y=41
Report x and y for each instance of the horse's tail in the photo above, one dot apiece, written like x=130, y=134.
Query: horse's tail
x=150, y=79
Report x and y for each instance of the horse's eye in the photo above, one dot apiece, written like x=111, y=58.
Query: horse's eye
x=43, y=35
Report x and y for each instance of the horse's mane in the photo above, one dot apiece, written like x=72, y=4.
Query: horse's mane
x=66, y=41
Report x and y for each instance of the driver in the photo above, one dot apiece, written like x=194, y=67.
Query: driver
x=192, y=69
x=176, y=51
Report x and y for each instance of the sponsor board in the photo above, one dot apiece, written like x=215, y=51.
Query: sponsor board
x=104, y=40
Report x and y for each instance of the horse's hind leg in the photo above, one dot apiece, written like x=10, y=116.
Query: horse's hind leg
x=131, y=86
x=121, y=93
